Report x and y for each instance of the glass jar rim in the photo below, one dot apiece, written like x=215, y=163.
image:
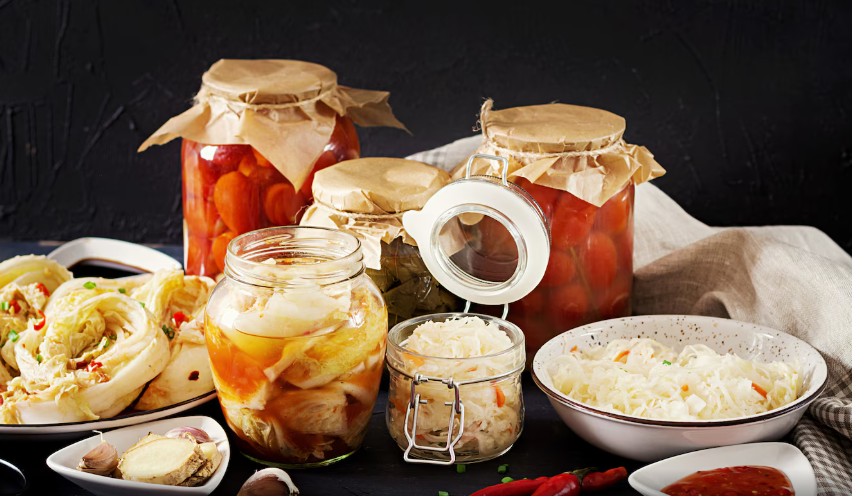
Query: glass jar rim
x=346, y=264
x=517, y=337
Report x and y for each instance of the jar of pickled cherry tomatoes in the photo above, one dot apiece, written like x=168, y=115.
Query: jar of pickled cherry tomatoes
x=256, y=134
x=573, y=161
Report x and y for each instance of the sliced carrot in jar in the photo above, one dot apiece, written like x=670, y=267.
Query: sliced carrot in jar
x=238, y=202
x=220, y=248
x=201, y=216
x=261, y=160
x=599, y=260
x=263, y=177
x=283, y=204
x=560, y=269
x=199, y=257
x=572, y=221
x=228, y=157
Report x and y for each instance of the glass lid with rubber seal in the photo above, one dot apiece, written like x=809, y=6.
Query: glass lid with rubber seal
x=483, y=238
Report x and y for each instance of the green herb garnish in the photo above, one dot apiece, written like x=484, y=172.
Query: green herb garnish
x=38, y=358
x=90, y=285
x=143, y=305
x=122, y=290
x=666, y=362
x=506, y=479
x=502, y=469
x=4, y=305
x=168, y=331
x=443, y=493
x=13, y=336
x=461, y=469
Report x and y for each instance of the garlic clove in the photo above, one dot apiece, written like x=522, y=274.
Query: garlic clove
x=269, y=482
x=100, y=461
x=192, y=433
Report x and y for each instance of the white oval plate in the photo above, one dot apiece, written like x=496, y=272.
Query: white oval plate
x=113, y=253
x=19, y=431
x=64, y=462
x=650, y=480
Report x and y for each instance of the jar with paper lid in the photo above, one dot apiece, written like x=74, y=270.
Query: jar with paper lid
x=257, y=132
x=455, y=378
x=368, y=197
x=576, y=165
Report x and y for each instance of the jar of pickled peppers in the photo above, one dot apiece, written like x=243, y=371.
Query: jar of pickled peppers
x=256, y=134
x=573, y=162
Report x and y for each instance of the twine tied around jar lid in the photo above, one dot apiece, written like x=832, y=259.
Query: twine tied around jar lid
x=367, y=197
x=566, y=147
x=284, y=109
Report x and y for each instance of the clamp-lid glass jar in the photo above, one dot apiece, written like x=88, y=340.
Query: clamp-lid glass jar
x=257, y=132
x=573, y=161
x=455, y=392
x=296, y=334
x=368, y=197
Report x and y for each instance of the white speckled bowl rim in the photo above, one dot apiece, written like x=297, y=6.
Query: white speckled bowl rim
x=814, y=368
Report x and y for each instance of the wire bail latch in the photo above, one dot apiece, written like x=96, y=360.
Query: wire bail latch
x=457, y=409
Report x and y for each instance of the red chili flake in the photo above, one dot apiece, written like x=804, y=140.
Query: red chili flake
x=14, y=307
x=180, y=318
x=94, y=366
x=193, y=376
x=41, y=287
x=41, y=324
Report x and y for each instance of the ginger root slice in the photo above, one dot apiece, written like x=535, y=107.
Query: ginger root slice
x=167, y=461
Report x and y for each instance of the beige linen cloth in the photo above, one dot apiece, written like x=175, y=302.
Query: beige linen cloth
x=791, y=278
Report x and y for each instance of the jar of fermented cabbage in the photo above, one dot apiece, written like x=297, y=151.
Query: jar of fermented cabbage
x=368, y=197
x=296, y=333
x=256, y=134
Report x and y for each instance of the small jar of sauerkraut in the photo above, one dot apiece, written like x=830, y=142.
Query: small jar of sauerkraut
x=455, y=387
x=296, y=334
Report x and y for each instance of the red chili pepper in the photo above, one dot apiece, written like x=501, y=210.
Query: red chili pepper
x=180, y=318
x=41, y=324
x=41, y=287
x=566, y=484
x=524, y=487
x=94, y=366
x=596, y=481
x=14, y=307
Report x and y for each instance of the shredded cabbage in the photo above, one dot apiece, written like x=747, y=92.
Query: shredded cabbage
x=644, y=378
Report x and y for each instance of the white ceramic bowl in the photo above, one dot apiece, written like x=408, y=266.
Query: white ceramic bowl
x=650, y=480
x=65, y=461
x=651, y=440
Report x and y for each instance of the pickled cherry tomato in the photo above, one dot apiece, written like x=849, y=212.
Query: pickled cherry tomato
x=614, y=301
x=199, y=175
x=545, y=197
x=220, y=248
x=326, y=159
x=572, y=221
x=283, y=204
x=615, y=213
x=199, y=257
x=624, y=247
x=560, y=269
x=201, y=216
x=238, y=202
x=599, y=260
x=568, y=306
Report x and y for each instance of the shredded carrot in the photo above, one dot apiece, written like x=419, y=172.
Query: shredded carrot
x=759, y=389
x=621, y=355
x=652, y=355
x=574, y=349
x=501, y=398
x=685, y=387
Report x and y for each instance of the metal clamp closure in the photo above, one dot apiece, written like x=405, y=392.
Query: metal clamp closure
x=415, y=402
x=502, y=160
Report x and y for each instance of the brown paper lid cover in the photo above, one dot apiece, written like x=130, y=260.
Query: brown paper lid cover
x=268, y=81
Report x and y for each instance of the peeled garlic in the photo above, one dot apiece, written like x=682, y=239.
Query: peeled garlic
x=269, y=482
x=191, y=433
x=100, y=461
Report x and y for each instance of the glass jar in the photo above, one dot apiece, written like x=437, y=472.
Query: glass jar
x=255, y=136
x=573, y=162
x=230, y=190
x=296, y=334
x=465, y=410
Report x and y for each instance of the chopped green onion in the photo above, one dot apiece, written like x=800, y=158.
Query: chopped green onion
x=168, y=332
x=666, y=362
x=461, y=469
x=443, y=493
x=13, y=336
x=506, y=479
x=143, y=305
x=4, y=305
x=502, y=469
x=38, y=358
x=90, y=285
x=122, y=290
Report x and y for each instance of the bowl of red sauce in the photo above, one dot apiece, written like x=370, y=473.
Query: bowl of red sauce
x=760, y=469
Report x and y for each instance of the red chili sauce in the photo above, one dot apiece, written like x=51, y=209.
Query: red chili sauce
x=733, y=481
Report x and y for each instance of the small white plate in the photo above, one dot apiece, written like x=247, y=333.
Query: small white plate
x=65, y=461
x=650, y=480
x=114, y=254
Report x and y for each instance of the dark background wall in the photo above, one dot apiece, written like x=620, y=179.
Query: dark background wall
x=747, y=104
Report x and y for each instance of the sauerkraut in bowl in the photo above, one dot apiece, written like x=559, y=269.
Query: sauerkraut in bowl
x=484, y=356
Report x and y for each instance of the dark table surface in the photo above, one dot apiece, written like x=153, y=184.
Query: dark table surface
x=546, y=447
